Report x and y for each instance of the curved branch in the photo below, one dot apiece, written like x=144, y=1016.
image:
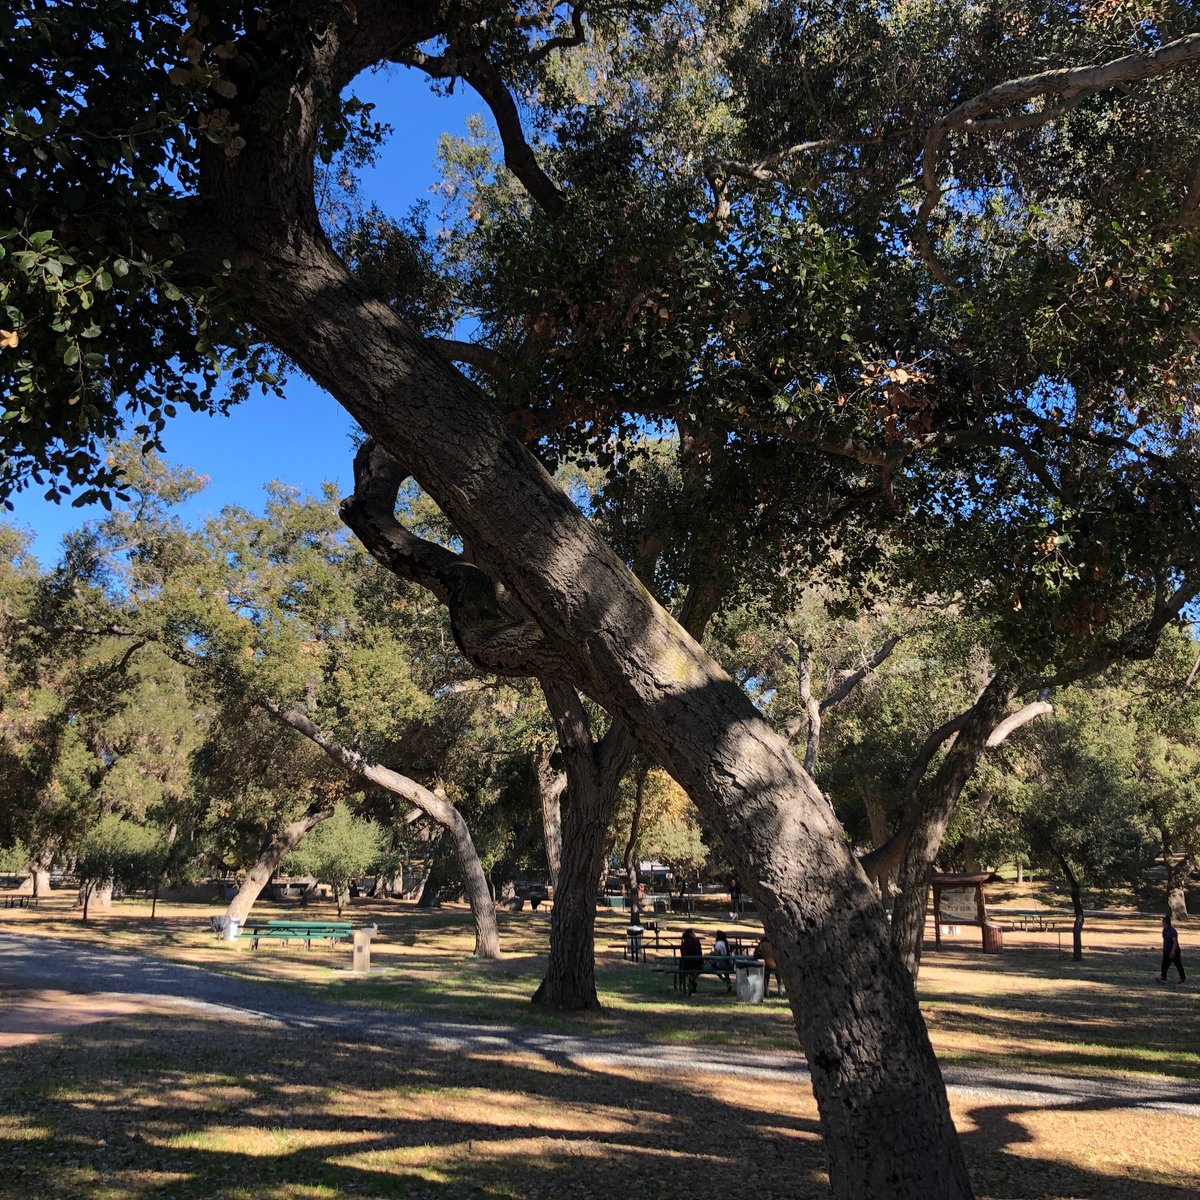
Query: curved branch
x=854, y=679
x=493, y=634
x=1071, y=83
x=519, y=157
x=1014, y=721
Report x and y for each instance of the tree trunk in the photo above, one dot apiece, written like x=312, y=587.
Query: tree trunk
x=435, y=875
x=883, y=1105
x=971, y=840
x=276, y=846
x=550, y=786
x=1178, y=875
x=929, y=810
x=593, y=775
x=878, y=823
x=433, y=804
x=1076, y=904
x=40, y=881
x=631, y=855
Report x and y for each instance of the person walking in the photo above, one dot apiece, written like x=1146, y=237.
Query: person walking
x=1171, y=952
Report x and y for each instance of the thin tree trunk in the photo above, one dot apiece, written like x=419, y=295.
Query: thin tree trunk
x=635, y=830
x=277, y=845
x=436, y=874
x=1076, y=904
x=877, y=821
x=1178, y=875
x=550, y=786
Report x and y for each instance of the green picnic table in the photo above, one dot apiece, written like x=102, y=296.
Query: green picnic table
x=299, y=931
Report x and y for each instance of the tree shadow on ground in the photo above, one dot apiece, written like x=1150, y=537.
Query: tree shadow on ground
x=190, y=1107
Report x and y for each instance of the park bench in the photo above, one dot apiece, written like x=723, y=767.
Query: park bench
x=20, y=900
x=296, y=931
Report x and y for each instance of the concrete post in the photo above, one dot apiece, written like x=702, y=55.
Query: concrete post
x=362, y=947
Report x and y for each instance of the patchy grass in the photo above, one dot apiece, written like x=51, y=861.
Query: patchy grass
x=151, y=1105
x=1030, y=1009
x=189, y=1108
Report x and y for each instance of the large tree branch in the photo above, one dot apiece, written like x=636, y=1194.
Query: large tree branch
x=484, y=358
x=1137, y=643
x=482, y=75
x=491, y=630
x=1069, y=83
x=1014, y=721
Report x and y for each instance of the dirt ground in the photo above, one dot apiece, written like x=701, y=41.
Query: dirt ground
x=109, y=1096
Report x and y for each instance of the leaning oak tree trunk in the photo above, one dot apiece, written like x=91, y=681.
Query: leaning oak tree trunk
x=546, y=597
x=276, y=847
x=881, y=1096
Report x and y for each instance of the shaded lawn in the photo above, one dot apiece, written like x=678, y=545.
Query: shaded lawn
x=186, y=1108
x=1029, y=1009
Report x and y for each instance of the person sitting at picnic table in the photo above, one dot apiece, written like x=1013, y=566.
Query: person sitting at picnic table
x=766, y=952
x=721, y=949
x=691, y=958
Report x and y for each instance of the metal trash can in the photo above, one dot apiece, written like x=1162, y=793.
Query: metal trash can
x=633, y=943
x=751, y=982
x=232, y=928
x=362, y=947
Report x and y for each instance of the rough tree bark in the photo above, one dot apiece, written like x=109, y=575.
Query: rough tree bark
x=547, y=597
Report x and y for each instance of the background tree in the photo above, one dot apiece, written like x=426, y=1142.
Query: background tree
x=340, y=850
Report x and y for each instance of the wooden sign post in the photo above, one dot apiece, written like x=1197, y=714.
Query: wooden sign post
x=958, y=900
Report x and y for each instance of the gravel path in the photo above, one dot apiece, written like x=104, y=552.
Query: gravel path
x=76, y=967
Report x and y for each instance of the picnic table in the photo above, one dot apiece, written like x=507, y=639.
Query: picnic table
x=1030, y=918
x=298, y=931
x=721, y=965
x=19, y=900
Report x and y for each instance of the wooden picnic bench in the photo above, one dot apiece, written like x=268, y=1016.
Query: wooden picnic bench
x=296, y=931
x=19, y=900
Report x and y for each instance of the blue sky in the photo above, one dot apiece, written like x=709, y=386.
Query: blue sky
x=303, y=438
